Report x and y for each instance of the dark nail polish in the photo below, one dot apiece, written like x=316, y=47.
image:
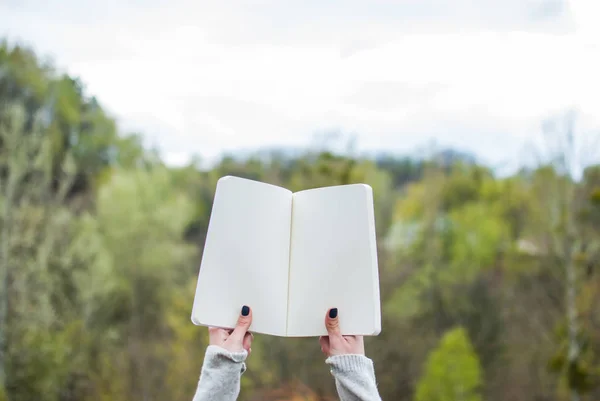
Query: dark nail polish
x=245, y=310
x=333, y=313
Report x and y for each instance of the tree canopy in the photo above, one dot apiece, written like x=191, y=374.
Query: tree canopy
x=490, y=285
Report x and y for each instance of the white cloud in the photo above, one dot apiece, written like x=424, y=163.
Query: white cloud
x=200, y=79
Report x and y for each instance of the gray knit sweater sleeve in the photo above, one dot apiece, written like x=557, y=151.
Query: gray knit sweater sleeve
x=222, y=371
x=354, y=377
x=221, y=374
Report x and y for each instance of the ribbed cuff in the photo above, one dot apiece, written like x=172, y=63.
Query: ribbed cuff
x=214, y=352
x=350, y=363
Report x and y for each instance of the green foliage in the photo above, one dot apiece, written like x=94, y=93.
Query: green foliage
x=582, y=373
x=595, y=197
x=140, y=223
x=100, y=244
x=453, y=245
x=75, y=124
x=479, y=234
x=452, y=371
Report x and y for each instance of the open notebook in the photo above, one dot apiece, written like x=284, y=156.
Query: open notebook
x=290, y=257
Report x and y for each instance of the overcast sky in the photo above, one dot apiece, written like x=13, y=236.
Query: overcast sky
x=201, y=77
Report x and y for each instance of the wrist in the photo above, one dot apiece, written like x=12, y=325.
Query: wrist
x=234, y=356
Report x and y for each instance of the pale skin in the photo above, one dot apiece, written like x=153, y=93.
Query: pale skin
x=333, y=344
x=234, y=340
x=337, y=344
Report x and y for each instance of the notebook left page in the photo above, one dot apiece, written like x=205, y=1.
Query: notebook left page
x=246, y=257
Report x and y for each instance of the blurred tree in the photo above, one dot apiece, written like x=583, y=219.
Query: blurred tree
x=141, y=221
x=36, y=256
x=452, y=371
x=75, y=124
x=100, y=244
x=563, y=237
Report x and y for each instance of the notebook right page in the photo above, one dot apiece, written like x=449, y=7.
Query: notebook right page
x=333, y=261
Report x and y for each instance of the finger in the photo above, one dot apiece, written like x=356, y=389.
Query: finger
x=332, y=324
x=218, y=333
x=324, y=341
x=247, y=343
x=214, y=335
x=357, y=343
x=243, y=324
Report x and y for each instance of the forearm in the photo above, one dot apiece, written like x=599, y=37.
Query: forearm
x=221, y=375
x=354, y=377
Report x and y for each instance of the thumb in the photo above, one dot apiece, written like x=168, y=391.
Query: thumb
x=332, y=323
x=243, y=323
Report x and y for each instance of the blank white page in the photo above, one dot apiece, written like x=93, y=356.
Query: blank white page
x=246, y=257
x=333, y=261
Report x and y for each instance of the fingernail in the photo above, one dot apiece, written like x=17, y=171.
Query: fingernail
x=333, y=313
x=245, y=310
